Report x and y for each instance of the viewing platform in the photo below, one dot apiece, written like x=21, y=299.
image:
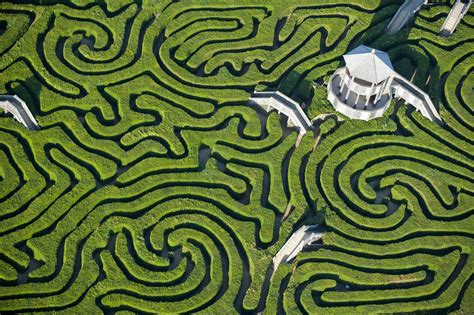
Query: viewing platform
x=355, y=105
x=365, y=87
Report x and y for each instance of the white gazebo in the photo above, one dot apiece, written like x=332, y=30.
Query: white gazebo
x=364, y=88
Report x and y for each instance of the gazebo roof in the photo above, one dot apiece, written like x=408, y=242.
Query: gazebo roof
x=369, y=64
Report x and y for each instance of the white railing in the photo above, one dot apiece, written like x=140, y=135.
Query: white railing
x=413, y=95
x=305, y=235
x=455, y=16
x=398, y=86
x=403, y=15
x=284, y=104
x=14, y=105
x=361, y=89
x=347, y=109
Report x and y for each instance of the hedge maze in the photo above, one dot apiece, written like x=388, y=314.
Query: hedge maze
x=154, y=186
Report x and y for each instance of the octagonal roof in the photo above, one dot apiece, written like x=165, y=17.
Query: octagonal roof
x=369, y=64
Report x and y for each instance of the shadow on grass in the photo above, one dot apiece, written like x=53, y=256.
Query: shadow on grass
x=29, y=91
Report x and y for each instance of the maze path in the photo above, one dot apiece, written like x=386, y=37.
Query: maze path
x=152, y=186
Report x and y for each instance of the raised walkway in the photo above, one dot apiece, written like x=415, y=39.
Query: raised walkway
x=459, y=9
x=404, y=14
x=14, y=105
x=283, y=104
x=305, y=235
x=406, y=90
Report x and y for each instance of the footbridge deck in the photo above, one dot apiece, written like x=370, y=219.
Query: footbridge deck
x=459, y=9
x=406, y=90
x=305, y=235
x=284, y=104
x=14, y=105
x=404, y=14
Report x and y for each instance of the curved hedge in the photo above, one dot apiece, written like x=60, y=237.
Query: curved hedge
x=154, y=186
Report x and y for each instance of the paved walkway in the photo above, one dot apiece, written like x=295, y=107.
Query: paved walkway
x=305, y=235
x=404, y=89
x=455, y=16
x=14, y=105
x=284, y=104
x=403, y=15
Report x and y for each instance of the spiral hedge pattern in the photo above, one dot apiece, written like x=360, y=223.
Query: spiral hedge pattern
x=153, y=186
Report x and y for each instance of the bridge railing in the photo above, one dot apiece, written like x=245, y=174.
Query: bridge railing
x=14, y=105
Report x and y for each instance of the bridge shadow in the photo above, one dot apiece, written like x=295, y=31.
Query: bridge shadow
x=3, y=27
x=313, y=215
x=29, y=91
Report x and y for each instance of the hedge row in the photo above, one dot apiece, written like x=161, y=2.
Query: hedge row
x=154, y=186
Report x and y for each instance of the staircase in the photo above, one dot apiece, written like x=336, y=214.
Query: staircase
x=14, y=105
x=455, y=16
x=283, y=104
x=406, y=90
x=298, y=240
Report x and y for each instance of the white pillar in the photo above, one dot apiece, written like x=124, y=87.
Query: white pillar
x=349, y=89
x=340, y=85
x=343, y=76
x=368, y=97
x=378, y=97
x=379, y=94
